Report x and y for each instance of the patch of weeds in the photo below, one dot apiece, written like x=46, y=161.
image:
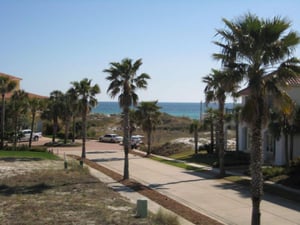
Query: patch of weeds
x=162, y=217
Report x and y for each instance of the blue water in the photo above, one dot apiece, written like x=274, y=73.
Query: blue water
x=190, y=110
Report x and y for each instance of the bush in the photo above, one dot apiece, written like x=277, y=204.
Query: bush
x=168, y=148
x=166, y=218
x=274, y=171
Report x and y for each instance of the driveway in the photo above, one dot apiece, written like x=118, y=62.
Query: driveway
x=217, y=198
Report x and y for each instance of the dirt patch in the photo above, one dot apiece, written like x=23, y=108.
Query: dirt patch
x=31, y=194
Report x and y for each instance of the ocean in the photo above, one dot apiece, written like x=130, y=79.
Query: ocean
x=179, y=109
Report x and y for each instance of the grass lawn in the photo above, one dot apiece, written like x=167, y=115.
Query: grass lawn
x=42, y=155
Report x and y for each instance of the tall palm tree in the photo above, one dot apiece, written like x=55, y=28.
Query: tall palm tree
x=218, y=83
x=262, y=49
x=86, y=97
x=148, y=116
x=19, y=106
x=236, y=111
x=74, y=104
x=124, y=83
x=6, y=86
x=210, y=119
x=54, y=110
x=35, y=104
x=68, y=111
x=194, y=128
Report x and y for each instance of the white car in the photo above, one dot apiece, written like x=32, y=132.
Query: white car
x=113, y=138
x=136, y=140
x=25, y=135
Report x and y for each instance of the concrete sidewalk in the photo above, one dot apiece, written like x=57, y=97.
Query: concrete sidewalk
x=225, y=201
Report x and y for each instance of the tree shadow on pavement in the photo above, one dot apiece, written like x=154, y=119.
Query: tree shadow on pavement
x=107, y=159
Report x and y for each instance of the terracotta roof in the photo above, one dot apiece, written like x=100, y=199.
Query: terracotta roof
x=31, y=95
x=10, y=76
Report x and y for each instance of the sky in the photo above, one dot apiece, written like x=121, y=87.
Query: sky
x=50, y=43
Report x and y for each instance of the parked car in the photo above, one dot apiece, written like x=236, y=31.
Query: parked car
x=24, y=135
x=113, y=138
x=136, y=141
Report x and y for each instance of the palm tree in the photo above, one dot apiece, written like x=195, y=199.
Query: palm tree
x=148, y=116
x=6, y=86
x=125, y=82
x=194, y=128
x=236, y=110
x=218, y=83
x=54, y=110
x=210, y=119
x=19, y=105
x=35, y=104
x=262, y=50
x=281, y=119
x=74, y=104
x=86, y=97
x=68, y=111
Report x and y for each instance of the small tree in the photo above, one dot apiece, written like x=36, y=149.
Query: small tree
x=148, y=116
x=6, y=85
x=35, y=104
x=19, y=105
x=194, y=128
x=86, y=97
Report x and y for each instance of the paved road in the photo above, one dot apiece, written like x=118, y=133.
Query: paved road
x=217, y=198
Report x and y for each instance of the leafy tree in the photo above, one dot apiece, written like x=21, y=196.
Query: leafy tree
x=194, y=128
x=262, y=50
x=6, y=86
x=86, y=98
x=124, y=83
x=218, y=83
x=148, y=116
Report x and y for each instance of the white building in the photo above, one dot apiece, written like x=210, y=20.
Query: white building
x=273, y=149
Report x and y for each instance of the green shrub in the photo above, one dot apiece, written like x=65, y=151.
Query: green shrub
x=274, y=171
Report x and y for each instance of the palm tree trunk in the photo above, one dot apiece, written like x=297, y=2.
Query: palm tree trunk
x=84, y=127
x=126, y=143
x=221, y=138
x=32, y=126
x=236, y=131
x=2, y=120
x=55, y=126
x=292, y=144
x=256, y=171
x=67, y=127
x=149, y=142
x=211, y=136
x=74, y=129
x=196, y=140
x=286, y=142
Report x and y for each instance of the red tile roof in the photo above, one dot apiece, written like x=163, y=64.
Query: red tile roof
x=10, y=76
